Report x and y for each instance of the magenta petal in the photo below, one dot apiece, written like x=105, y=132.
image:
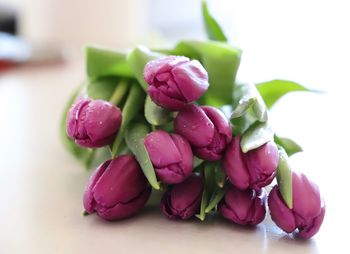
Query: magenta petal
x=262, y=164
x=163, y=100
x=306, y=197
x=73, y=117
x=220, y=122
x=280, y=213
x=161, y=149
x=122, y=181
x=88, y=199
x=234, y=165
x=103, y=120
x=193, y=124
x=124, y=210
x=161, y=65
x=314, y=227
x=191, y=79
x=243, y=207
x=186, y=153
x=183, y=200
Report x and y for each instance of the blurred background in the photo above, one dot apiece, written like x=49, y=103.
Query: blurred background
x=41, y=62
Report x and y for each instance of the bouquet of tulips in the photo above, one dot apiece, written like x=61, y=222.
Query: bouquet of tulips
x=176, y=121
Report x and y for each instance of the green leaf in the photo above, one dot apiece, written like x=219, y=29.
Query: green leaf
x=137, y=59
x=134, y=137
x=102, y=88
x=84, y=155
x=290, y=146
x=257, y=135
x=155, y=114
x=212, y=27
x=248, y=108
x=220, y=176
x=204, y=204
x=246, y=97
x=133, y=104
x=272, y=91
x=221, y=62
x=119, y=92
x=197, y=161
x=102, y=62
x=284, y=178
x=220, y=193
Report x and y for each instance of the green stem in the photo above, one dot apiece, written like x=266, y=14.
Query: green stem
x=119, y=92
x=134, y=102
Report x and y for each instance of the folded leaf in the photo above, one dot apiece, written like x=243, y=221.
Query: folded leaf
x=212, y=27
x=155, y=114
x=101, y=88
x=217, y=197
x=257, y=135
x=102, y=62
x=290, y=146
x=220, y=176
x=248, y=108
x=284, y=178
x=272, y=91
x=221, y=62
x=204, y=204
x=137, y=59
x=133, y=104
x=134, y=137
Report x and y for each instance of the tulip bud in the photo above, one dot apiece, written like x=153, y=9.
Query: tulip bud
x=243, y=207
x=117, y=189
x=308, y=208
x=171, y=156
x=175, y=81
x=93, y=123
x=206, y=129
x=254, y=169
x=182, y=201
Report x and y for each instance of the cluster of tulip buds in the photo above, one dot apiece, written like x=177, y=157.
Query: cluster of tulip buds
x=198, y=158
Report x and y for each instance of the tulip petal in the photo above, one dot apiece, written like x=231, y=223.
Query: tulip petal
x=262, y=164
x=161, y=149
x=306, y=197
x=314, y=227
x=124, y=210
x=191, y=79
x=280, y=213
x=102, y=120
x=121, y=182
x=88, y=199
x=163, y=100
x=193, y=124
x=235, y=166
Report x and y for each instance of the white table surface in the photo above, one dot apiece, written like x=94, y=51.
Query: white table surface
x=41, y=185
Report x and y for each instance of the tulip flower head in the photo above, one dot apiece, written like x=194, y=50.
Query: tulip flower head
x=207, y=130
x=182, y=201
x=246, y=207
x=254, y=169
x=171, y=156
x=93, y=123
x=175, y=81
x=308, y=210
x=117, y=189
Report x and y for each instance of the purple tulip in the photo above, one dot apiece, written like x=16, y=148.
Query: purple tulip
x=243, y=207
x=207, y=130
x=254, y=169
x=171, y=156
x=182, y=201
x=307, y=211
x=93, y=123
x=117, y=189
x=175, y=81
